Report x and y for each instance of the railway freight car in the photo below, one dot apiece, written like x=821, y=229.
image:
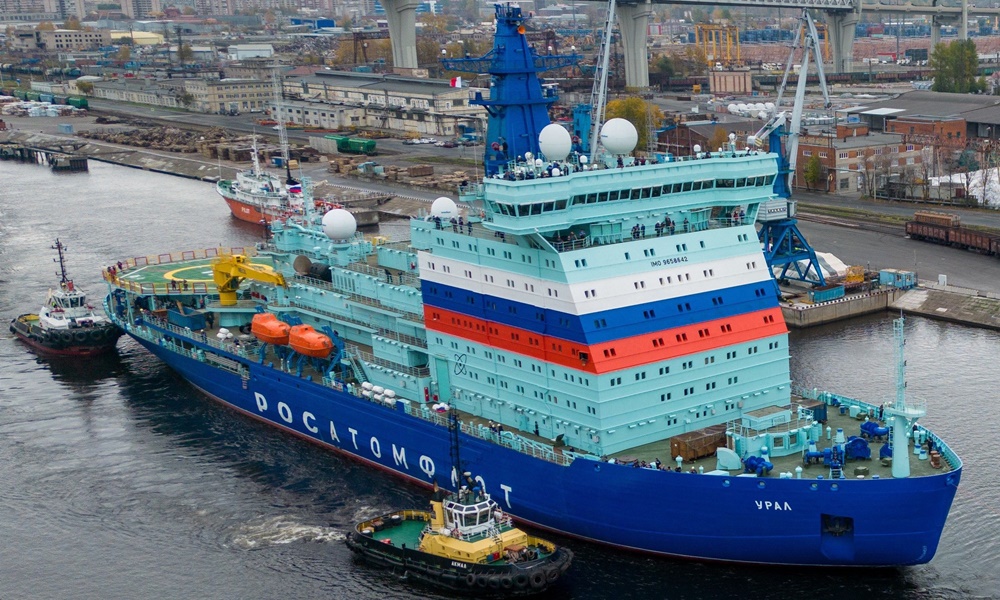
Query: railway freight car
x=945, y=228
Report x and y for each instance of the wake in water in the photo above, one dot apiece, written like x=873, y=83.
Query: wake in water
x=273, y=531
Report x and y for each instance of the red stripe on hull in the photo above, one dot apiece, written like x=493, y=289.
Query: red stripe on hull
x=247, y=212
x=615, y=355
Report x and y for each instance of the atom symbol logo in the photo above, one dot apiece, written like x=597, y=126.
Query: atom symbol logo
x=460, y=360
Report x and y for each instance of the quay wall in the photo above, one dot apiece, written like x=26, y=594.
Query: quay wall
x=800, y=316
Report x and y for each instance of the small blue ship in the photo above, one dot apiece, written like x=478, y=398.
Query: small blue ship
x=607, y=331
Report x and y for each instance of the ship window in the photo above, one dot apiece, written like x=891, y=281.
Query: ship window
x=741, y=182
x=591, y=198
x=666, y=189
x=664, y=370
x=523, y=210
x=686, y=186
x=725, y=183
x=656, y=192
x=602, y=197
x=676, y=188
x=560, y=204
x=548, y=207
x=695, y=186
x=636, y=193
x=536, y=209
x=665, y=396
x=707, y=185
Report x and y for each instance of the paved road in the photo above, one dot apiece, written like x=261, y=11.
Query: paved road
x=878, y=251
x=970, y=216
x=245, y=122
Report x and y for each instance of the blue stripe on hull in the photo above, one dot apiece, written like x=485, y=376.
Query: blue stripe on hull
x=699, y=516
x=621, y=322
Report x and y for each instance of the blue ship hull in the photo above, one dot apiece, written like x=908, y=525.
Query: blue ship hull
x=725, y=518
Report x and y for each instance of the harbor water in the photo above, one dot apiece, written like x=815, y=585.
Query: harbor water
x=118, y=480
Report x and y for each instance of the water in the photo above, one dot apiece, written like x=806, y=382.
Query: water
x=120, y=481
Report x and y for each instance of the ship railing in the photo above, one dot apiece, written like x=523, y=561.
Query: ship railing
x=370, y=358
x=356, y=298
x=402, y=278
x=402, y=338
x=508, y=439
x=241, y=349
x=918, y=406
x=113, y=274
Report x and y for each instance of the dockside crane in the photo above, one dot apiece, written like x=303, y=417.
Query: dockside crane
x=784, y=245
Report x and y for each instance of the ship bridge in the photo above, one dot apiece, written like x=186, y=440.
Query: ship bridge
x=532, y=201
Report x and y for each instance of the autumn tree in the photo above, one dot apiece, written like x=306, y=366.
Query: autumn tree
x=124, y=53
x=71, y=23
x=812, y=172
x=638, y=112
x=718, y=140
x=85, y=87
x=45, y=26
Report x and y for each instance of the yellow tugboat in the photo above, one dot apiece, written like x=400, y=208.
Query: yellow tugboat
x=464, y=543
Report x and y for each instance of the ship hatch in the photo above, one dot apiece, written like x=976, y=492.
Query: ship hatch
x=837, y=535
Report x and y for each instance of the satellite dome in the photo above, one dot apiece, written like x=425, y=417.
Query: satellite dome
x=758, y=106
x=528, y=156
x=769, y=105
x=696, y=148
x=619, y=136
x=731, y=108
x=555, y=142
x=762, y=115
x=444, y=207
x=539, y=162
x=742, y=107
x=338, y=224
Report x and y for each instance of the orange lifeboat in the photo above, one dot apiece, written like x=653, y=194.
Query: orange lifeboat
x=267, y=328
x=306, y=340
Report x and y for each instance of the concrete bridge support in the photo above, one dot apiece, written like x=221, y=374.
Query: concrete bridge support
x=401, y=15
x=841, y=26
x=633, y=22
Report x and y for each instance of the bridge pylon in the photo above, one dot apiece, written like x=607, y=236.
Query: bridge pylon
x=402, y=18
x=633, y=23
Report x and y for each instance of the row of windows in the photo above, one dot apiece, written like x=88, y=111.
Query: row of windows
x=617, y=380
x=537, y=208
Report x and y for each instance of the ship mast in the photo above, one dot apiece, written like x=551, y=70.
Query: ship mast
x=279, y=94
x=64, y=280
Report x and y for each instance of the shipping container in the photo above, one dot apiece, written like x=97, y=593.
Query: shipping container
x=903, y=280
x=698, y=444
x=826, y=293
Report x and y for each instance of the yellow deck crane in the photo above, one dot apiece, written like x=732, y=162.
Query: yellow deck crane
x=229, y=271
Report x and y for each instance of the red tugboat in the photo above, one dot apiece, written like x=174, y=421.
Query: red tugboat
x=66, y=325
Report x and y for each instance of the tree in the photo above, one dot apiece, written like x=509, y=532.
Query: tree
x=663, y=65
x=45, y=26
x=185, y=53
x=85, y=87
x=186, y=98
x=955, y=68
x=718, y=140
x=124, y=53
x=812, y=172
x=187, y=10
x=72, y=23
x=636, y=111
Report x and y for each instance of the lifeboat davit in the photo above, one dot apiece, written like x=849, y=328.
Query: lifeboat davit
x=306, y=340
x=267, y=328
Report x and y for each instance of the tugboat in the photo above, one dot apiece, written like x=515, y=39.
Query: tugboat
x=66, y=325
x=464, y=543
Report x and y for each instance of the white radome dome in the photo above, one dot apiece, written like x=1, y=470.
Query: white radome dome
x=742, y=107
x=338, y=224
x=731, y=108
x=619, y=136
x=555, y=142
x=539, y=163
x=445, y=208
x=769, y=105
x=696, y=148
